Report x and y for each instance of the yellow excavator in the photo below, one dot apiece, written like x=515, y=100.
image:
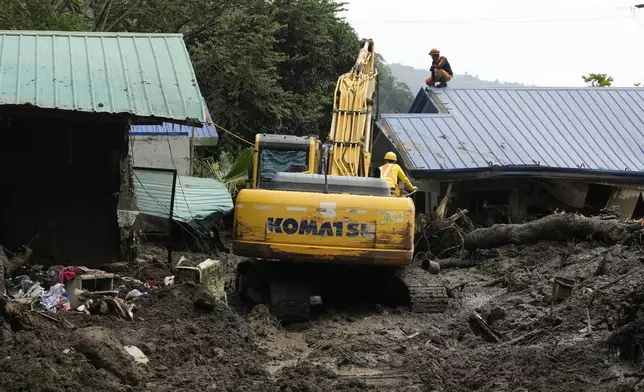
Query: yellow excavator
x=314, y=225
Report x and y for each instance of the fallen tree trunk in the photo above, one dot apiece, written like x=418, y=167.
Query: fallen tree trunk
x=558, y=227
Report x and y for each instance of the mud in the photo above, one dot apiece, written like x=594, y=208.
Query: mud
x=546, y=345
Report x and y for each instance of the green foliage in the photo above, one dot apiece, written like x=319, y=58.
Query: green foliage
x=39, y=15
x=638, y=84
x=392, y=95
x=262, y=65
x=233, y=174
x=598, y=80
x=238, y=172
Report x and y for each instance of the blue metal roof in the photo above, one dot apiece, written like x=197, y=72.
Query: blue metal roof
x=207, y=135
x=579, y=129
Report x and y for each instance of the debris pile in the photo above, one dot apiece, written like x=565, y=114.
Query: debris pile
x=560, y=294
x=558, y=301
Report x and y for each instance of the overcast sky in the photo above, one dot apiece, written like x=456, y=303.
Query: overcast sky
x=545, y=42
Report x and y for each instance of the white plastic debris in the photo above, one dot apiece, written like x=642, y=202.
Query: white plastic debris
x=135, y=294
x=137, y=354
x=168, y=280
x=51, y=298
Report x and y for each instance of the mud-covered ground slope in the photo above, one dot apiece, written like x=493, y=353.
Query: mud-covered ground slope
x=503, y=331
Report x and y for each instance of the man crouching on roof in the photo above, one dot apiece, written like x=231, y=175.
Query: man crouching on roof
x=440, y=69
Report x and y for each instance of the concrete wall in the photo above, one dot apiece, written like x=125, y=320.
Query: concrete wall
x=165, y=152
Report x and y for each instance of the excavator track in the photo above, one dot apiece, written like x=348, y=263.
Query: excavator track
x=290, y=302
x=287, y=287
x=427, y=294
x=272, y=284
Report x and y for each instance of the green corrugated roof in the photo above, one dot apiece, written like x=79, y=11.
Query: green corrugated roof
x=196, y=199
x=146, y=75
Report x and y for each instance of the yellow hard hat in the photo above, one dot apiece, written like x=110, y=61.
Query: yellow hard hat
x=434, y=51
x=390, y=156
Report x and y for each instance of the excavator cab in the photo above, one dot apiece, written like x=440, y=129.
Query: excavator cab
x=283, y=154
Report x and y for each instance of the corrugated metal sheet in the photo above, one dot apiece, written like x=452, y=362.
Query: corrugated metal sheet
x=206, y=135
x=165, y=129
x=564, y=128
x=146, y=75
x=196, y=199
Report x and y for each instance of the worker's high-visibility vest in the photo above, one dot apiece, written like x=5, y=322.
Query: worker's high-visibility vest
x=387, y=173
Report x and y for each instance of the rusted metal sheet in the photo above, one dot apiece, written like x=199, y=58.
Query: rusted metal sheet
x=143, y=75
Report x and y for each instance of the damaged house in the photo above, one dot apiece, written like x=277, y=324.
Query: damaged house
x=67, y=102
x=171, y=145
x=509, y=153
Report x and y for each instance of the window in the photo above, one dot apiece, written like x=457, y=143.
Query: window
x=276, y=161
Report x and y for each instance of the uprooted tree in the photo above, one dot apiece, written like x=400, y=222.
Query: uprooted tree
x=452, y=238
x=557, y=227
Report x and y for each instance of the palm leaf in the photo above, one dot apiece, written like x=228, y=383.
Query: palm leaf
x=240, y=165
x=234, y=178
x=238, y=173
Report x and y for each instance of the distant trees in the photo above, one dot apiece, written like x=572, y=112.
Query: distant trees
x=598, y=80
x=392, y=94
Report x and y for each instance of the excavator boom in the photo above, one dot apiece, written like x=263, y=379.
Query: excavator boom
x=351, y=132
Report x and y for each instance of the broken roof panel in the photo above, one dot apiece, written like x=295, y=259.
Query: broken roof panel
x=597, y=129
x=198, y=200
x=144, y=75
x=203, y=136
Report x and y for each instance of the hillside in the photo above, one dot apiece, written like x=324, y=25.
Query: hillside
x=415, y=78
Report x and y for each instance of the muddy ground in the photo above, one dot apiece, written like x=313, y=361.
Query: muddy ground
x=544, y=346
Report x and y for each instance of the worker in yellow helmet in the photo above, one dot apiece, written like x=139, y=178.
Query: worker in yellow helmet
x=440, y=69
x=392, y=173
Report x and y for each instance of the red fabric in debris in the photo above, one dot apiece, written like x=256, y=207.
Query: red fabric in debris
x=68, y=273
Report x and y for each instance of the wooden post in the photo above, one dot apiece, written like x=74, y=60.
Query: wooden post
x=192, y=152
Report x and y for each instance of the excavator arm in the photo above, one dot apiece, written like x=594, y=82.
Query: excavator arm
x=351, y=127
